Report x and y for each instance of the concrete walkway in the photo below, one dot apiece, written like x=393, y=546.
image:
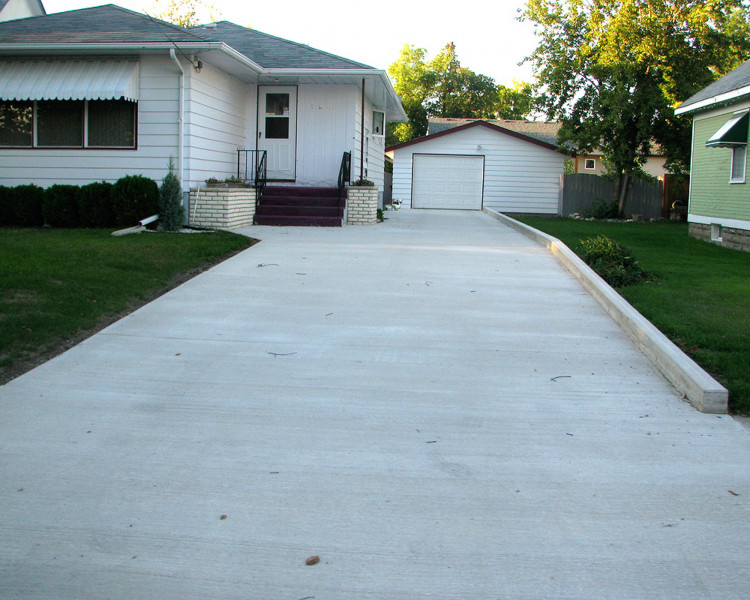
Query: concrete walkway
x=432, y=406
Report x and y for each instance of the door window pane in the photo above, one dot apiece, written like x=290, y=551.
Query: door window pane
x=111, y=124
x=277, y=128
x=60, y=123
x=16, y=123
x=277, y=104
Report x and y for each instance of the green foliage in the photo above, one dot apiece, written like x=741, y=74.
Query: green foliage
x=7, y=214
x=134, y=197
x=601, y=210
x=60, y=207
x=185, y=13
x=441, y=87
x=27, y=203
x=380, y=216
x=611, y=261
x=171, y=211
x=612, y=71
x=362, y=183
x=95, y=205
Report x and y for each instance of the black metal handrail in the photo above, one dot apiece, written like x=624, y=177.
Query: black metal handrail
x=345, y=174
x=251, y=166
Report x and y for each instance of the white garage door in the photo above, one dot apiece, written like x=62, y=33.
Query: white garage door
x=447, y=181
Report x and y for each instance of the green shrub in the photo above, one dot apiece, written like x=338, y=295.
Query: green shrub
x=171, y=211
x=60, y=207
x=95, y=205
x=27, y=204
x=7, y=215
x=601, y=210
x=611, y=261
x=134, y=197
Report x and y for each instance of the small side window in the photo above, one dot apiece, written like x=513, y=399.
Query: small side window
x=378, y=123
x=590, y=164
x=739, y=159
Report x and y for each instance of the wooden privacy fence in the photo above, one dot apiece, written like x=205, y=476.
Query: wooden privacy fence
x=581, y=191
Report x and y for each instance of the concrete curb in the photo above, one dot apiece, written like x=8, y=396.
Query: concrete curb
x=700, y=389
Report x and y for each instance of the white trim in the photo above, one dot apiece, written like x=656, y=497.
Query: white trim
x=732, y=223
x=721, y=98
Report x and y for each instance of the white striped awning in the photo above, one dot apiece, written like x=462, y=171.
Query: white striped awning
x=69, y=80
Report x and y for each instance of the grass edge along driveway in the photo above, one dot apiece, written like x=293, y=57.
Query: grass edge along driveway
x=700, y=298
x=59, y=286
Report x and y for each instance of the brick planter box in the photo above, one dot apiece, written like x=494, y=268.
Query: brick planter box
x=222, y=207
x=362, y=205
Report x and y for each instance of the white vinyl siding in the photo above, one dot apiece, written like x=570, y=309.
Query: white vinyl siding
x=325, y=130
x=519, y=176
x=157, y=141
x=217, y=123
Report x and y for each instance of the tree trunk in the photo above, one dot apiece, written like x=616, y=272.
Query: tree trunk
x=623, y=195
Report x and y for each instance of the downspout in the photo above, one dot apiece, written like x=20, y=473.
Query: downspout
x=180, y=119
x=362, y=137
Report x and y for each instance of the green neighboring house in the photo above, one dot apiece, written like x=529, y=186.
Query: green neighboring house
x=719, y=208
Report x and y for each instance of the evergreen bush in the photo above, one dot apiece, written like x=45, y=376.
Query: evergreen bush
x=134, y=197
x=27, y=203
x=611, y=261
x=95, y=205
x=60, y=207
x=171, y=211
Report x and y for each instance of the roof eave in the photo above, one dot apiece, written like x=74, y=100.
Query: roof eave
x=713, y=101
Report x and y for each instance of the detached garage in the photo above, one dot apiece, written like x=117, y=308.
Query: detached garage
x=478, y=165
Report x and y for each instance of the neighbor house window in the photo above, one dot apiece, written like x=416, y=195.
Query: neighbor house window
x=68, y=124
x=378, y=122
x=739, y=159
x=590, y=164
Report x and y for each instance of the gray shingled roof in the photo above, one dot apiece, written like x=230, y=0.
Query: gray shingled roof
x=108, y=23
x=544, y=131
x=734, y=80
x=273, y=52
x=114, y=24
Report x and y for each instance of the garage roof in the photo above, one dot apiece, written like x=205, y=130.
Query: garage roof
x=504, y=130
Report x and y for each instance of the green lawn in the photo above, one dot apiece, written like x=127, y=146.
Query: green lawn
x=57, y=286
x=700, y=297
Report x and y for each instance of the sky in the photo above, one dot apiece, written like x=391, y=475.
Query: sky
x=489, y=40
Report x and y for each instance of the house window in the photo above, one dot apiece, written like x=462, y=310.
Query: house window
x=68, y=124
x=739, y=158
x=378, y=123
x=16, y=124
x=590, y=164
x=716, y=233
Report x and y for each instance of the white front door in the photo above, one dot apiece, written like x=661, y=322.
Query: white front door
x=277, y=130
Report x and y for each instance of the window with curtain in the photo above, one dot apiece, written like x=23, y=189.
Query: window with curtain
x=739, y=158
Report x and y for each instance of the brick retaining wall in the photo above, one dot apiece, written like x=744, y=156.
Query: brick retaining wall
x=222, y=207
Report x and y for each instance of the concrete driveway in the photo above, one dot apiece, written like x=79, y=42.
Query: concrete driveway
x=432, y=406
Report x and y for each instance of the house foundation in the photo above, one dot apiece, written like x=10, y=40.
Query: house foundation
x=729, y=237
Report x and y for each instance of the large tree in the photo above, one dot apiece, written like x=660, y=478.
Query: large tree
x=614, y=70
x=441, y=87
x=185, y=13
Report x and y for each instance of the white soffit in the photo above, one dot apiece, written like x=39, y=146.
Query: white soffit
x=69, y=80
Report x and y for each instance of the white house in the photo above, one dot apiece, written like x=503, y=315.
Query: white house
x=479, y=164
x=20, y=9
x=100, y=93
